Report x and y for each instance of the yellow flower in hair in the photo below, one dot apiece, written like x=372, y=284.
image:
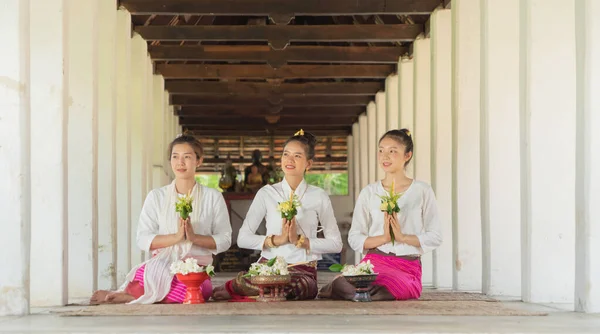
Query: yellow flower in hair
x=408, y=133
x=299, y=133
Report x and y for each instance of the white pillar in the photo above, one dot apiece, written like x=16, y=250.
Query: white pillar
x=167, y=112
x=372, y=141
x=392, y=102
x=356, y=162
x=350, y=158
x=138, y=103
x=123, y=147
x=49, y=103
x=441, y=107
x=380, y=103
x=406, y=92
x=148, y=127
x=158, y=110
x=500, y=154
x=15, y=192
x=466, y=162
x=107, y=131
x=82, y=148
x=421, y=131
x=364, y=150
x=587, y=273
x=549, y=114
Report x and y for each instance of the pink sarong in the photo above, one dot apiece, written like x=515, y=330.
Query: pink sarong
x=402, y=278
x=177, y=293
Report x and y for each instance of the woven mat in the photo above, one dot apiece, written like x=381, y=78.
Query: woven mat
x=431, y=303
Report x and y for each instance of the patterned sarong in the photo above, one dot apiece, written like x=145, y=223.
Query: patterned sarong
x=397, y=279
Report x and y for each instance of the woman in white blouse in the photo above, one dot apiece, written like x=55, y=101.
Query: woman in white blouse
x=416, y=228
x=161, y=230
x=296, y=240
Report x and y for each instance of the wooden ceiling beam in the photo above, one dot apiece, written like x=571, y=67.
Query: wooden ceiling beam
x=290, y=121
x=264, y=53
x=201, y=71
x=279, y=36
x=266, y=131
x=284, y=133
x=280, y=7
x=228, y=111
x=263, y=88
x=272, y=101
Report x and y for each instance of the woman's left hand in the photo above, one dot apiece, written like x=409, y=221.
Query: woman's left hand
x=293, y=234
x=189, y=231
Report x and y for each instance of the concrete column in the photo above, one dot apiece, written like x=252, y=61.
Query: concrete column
x=168, y=111
x=15, y=192
x=466, y=161
x=158, y=111
x=83, y=148
x=356, y=163
x=421, y=131
x=123, y=147
x=148, y=127
x=406, y=92
x=49, y=102
x=549, y=115
x=441, y=118
x=350, y=157
x=372, y=141
x=107, y=132
x=587, y=270
x=380, y=103
x=392, y=102
x=500, y=149
x=138, y=103
x=364, y=151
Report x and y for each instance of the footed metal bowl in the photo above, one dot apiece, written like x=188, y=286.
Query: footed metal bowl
x=274, y=286
x=361, y=283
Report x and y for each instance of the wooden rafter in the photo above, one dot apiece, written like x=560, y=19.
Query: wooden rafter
x=258, y=53
x=189, y=71
x=264, y=88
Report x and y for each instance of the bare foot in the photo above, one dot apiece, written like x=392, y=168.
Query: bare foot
x=99, y=297
x=220, y=293
x=118, y=298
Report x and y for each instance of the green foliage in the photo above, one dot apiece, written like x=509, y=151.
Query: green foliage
x=209, y=180
x=332, y=183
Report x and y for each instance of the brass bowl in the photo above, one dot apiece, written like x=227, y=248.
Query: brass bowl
x=274, y=284
x=361, y=283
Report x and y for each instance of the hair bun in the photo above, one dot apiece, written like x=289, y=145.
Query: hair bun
x=312, y=140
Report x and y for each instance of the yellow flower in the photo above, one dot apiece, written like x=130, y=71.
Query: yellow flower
x=383, y=206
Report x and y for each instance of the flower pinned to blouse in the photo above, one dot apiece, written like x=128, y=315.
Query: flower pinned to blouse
x=289, y=208
x=190, y=265
x=389, y=204
x=184, y=206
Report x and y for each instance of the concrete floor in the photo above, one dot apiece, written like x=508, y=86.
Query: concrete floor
x=559, y=320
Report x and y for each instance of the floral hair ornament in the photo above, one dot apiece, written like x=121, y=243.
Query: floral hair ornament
x=299, y=133
x=407, y=133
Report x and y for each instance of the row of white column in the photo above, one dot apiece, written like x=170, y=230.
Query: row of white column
x=503, y=122
x=84, y=125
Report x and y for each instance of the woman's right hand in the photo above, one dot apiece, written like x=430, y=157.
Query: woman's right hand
x=283, y=238
x=386, y=227
x=181, y=229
